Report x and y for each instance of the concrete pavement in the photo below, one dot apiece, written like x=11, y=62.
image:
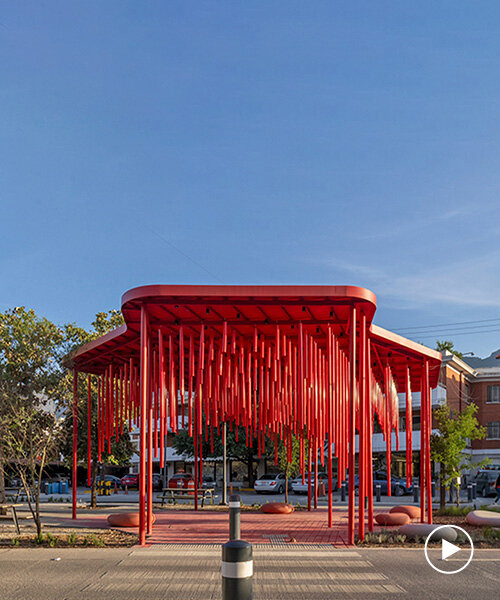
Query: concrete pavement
x=192, y=573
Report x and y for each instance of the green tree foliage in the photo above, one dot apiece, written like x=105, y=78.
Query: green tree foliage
x=121, y=448
x=31, y=349
x=448, y=445
x=446, y=345
x=236, y=450
x=289, y=463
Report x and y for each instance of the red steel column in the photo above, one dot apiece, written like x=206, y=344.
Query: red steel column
x=428, y=399
x=89, y=432
x=149, y=478
x=362, y=470
x=352, y=423
x=75, y=438
x=143, y=418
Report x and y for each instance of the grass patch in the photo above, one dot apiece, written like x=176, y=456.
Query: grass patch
x=453, y=511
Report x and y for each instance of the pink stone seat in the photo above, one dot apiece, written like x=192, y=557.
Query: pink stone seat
x=484, y=518
x=392, y=519
x=277, y=508
x=412, y=511
x=127, y=519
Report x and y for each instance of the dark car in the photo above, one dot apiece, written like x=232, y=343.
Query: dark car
x=485, y=482
x=181, y=480
x=398, y=484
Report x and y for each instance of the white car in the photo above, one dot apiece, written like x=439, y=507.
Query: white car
x=270, y=483
x=302, y=488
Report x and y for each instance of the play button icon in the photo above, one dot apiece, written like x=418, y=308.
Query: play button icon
x=444, y=556
x=448, y=549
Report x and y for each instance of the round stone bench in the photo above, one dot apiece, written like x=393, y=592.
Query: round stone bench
x=412, y=511
x=277, y=508
x=126, y=519
x=392, y=519
x=424, y=529
x=483, y=518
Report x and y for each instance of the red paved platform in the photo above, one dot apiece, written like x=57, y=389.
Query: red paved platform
x=212, y=527
x=177, y=527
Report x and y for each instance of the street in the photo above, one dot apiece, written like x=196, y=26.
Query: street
x=193, y=573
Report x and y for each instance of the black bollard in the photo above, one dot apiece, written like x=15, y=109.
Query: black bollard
x=451, y=494
x=378, y=489
x=474, y=491
x=416, y=489
x=342, y=492
x=234, y=517
x=237, y=570
x=433, y=487
x=469, y=493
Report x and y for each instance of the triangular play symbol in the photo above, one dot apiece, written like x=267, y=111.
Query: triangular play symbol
x=448, y=549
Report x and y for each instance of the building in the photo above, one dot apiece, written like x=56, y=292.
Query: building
x=461, y=381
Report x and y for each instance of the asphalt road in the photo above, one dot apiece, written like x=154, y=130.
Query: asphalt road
x=188, y=573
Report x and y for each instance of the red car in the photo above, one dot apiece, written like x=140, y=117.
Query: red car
x=181, y=480
x=131, y=480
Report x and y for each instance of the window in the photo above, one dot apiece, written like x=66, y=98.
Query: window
x=493, y=394
x=493, y=430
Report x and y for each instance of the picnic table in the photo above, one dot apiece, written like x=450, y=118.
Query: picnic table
x=8, y=511
x=187, y=494
x=13, y=493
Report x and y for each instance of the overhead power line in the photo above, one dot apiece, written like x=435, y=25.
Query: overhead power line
x=439, y=325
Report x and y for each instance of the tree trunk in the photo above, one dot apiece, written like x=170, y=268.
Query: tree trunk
x=442, y=489
x=93, y=487
x=457, y=487
x=250, y=471
x=2, y=478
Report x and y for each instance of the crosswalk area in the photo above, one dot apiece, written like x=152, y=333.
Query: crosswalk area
x=304, y=572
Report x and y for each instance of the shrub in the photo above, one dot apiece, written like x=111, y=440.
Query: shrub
x=15, y=541
x=72, y=539
x=454, y=511
x=51, y=540
x=39, y=539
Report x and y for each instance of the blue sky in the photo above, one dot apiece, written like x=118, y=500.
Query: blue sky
x=269, y=142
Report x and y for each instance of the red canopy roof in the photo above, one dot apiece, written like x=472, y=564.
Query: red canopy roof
x=247, y=307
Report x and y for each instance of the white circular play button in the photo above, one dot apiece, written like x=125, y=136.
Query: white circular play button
x=447, y=557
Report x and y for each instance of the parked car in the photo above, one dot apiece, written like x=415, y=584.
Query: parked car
x=398, y=484
x=303, y=488
x=271, y=483
x=130, y=480
x=208, y=482
x=181, y=480
x=485, y=482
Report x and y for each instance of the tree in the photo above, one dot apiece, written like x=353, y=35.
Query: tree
x=121, y=449
x=448, y=445
x=289, y=461
x=446, y=345
x=236, y=450
x=31, y=349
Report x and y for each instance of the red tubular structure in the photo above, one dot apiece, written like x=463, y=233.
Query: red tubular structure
x=89, y=431
x=275, y=361
x=352, y=424
x=75, y=440
x=143, y=419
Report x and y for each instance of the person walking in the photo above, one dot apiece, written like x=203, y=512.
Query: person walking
x=497, y=486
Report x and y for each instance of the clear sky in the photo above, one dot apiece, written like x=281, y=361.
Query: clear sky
x=254, y=142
